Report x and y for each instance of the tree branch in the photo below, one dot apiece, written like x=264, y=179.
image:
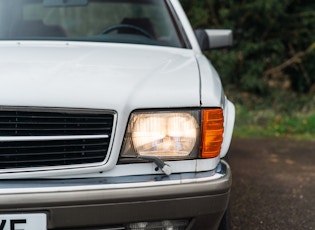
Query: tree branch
x=296, y=59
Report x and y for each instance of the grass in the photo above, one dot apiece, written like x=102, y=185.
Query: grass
x=267, y=123
x=277, y=115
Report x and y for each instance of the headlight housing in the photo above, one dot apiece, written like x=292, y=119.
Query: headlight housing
x=174, y=135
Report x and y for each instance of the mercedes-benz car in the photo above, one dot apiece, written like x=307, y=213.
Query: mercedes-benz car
x=111, y=117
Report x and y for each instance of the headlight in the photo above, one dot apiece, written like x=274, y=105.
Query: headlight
x=163, y=134
x=185, y=134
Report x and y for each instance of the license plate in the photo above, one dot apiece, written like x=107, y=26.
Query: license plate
x=23, y=221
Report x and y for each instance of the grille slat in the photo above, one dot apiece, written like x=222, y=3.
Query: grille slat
x=18, y=115
x=3, y=148
x=47, y=123
x=51, y=159
x=52, y=162
x=52, y=150
x=53, y=129
x=28, y=128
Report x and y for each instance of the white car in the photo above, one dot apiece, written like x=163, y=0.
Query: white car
x=111, y=117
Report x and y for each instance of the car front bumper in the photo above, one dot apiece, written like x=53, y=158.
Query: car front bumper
x=113, y=203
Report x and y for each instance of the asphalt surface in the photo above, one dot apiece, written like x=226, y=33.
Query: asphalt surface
x=273, y=184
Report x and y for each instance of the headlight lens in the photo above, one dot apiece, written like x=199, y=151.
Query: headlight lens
x=163, y=134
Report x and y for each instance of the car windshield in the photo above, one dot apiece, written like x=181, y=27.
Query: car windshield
x=122, y=21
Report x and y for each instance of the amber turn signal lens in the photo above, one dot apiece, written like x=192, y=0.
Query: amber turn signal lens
x=212, y=132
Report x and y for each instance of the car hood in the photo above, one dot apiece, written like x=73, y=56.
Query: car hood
x=97, y=75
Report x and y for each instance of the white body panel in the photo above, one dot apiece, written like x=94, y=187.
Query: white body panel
x=96, y=75
x=116, y=77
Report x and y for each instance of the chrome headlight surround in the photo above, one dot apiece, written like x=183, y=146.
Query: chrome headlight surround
x=166, y=134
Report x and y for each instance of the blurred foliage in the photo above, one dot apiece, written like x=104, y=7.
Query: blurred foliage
x=281, y=113
x=274, y=43
x=270, y=72
x=251, y=123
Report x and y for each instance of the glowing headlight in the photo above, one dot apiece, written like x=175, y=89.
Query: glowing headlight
x=163, y=134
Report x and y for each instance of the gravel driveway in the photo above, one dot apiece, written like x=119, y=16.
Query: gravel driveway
x=273, y=184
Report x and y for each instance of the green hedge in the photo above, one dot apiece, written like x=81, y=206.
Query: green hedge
x=274, y=42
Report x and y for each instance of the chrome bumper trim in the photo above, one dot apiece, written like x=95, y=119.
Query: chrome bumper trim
x=106, y=183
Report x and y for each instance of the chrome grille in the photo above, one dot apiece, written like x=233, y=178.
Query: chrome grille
x=41, y=138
